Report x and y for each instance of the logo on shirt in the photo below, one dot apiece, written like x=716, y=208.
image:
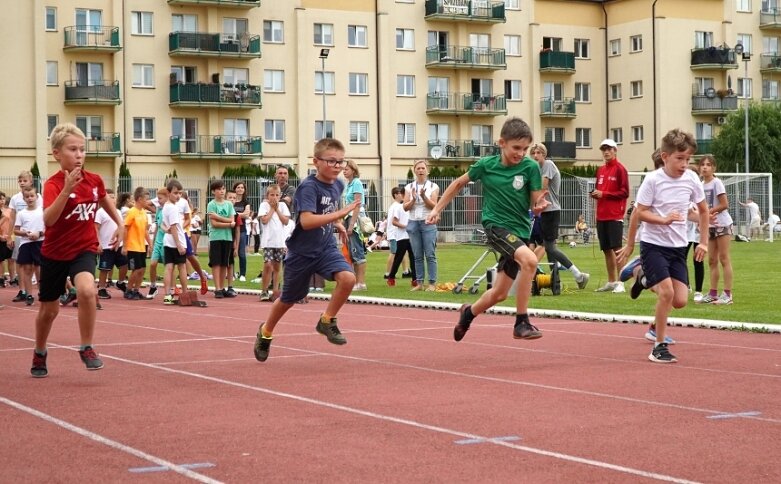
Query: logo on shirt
x=83, y=212
x=518, y=182
x=94, y=194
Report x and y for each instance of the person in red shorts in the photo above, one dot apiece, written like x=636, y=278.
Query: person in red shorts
x=71, y=199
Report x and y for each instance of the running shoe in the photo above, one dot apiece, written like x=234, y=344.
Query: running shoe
x=650, y=335
x=265, y=296
x=122, y=286
x=608, y=287
x=698, y=297
x=463, y=323
x=30, y=300
x=39, y=369
x=103, y=294
x=639, y=284
x=90, y=359
x=262, y=346
x=708, y=299
x=21, y=296
x=152, y=292
x=721, y=300
x=583, y=280
x=526, y=330
x=619, y=288
x=169, y=300
x=229, y=292
x=628, y=271
x=661, y=354
x=331, y=331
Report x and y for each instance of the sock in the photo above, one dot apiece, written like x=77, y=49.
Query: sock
x=521, y=318
x=713, y=292
x=575, y=271
x=656, y=343
x=325, y=318
x=40, y=352
x=264, y=333
x=728, y=292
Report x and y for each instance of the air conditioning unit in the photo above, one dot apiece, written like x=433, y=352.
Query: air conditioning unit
x=721, y=120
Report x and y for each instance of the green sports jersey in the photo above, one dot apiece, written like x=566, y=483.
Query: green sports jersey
x=507, y=192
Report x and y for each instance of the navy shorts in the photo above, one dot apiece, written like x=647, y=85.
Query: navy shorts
x=110, y=259
x=136, y=260
x=505, y=243
x=54, y=273
x=5, y=252
x=299, y=270
x=659, y=263
x=30, y=253
x=220, y=253
x=172, y=256
x=610, y=234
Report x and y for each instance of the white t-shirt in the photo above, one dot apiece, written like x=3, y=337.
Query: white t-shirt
x=420, y=211
x=29, y=221
x=713, y=189
x=753, y=212
x=172, y=216
x=107, y=228
x=17, y=202
x=664, y=194
x=397, y=212
x=184, y=209
x=274, y=233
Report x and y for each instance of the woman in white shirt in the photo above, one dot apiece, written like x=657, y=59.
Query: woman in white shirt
x=420, y=197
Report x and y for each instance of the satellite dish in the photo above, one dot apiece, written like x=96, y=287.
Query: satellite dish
x=435, y=152
x=710, y=93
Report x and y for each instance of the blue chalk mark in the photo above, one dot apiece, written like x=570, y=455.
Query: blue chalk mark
x=198, y=465
x=509, y=438
x=733, y=415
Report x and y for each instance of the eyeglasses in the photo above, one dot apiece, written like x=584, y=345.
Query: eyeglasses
x=333, y=162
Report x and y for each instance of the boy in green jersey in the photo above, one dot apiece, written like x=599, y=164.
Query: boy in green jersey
x=512, y=185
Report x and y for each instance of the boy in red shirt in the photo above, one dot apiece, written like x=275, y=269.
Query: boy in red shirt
x=71, y=198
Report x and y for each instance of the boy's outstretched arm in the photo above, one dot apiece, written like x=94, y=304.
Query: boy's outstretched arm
x=311, y=220
x=450, y=192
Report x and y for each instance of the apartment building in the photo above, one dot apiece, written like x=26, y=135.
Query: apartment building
x=198, y=85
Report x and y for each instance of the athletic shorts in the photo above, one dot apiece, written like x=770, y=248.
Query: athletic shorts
x=393, y=245
x=189, y=249
x=30, y=253
x=271, y=254
x=136, y=260
x=659, y=263
x=505, y=243
x=299, y=270
x=220, y=253
x=172, y=256
x=5, y=252
x=54, y=273
x=158, y=255
x=357, y=250
x=111, y=258
x=610, y=234
x=716, y=232
x=550, y=222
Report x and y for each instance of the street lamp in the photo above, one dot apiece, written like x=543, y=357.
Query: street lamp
x=740, y=50
x=323, y=56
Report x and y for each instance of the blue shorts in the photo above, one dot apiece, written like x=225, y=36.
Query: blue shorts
x=299, y=270
x=189, y=249
x=393, y=245
x=659, y=263
x=30, y=253
x=357, y=250
x=110, y=259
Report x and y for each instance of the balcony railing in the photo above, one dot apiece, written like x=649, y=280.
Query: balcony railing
x=465, y=103
x=713, y=58
x=770, y=18
x=218, y=3
x=218, y=146
x=103, y=145
x=213, y=45
x=704, y=146
x=84, y=92
x=456, y=57
x=465, y=10
x=557, y=108
x=556, y=61
x=87, y=37
x=770, y=63
x=463, y=149
x=238, y=96
x=702, y=104
x=561, y=149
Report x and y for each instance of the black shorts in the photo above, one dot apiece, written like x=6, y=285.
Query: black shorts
x=111, y=258
x=136, y=260
x=30, y=253
x=610, y=234
x=550, y=225
x=505, y=243
x=220, y=253
x=171, y=255
x=5, y=252
x=55, y=272
x=536, y=234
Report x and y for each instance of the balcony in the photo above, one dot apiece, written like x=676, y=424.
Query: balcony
x=704, y=146
x=713, y=58
x=228, y=96
x=716, y=105
x=103, y=145
x=462, y=149
x=218, y=3
x=561, y=149
x=465, y=11
x=213, y=45
x=455, y=57
x=557, y=108
x=770, y=19
x=92, y=92
x=769, y=63
x=456, y=103
x=83, y=37
x=557, y=62
x=231, y=147
x=772, y=100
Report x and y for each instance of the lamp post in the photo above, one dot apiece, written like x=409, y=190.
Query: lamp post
x=740, y=50
x=323, y=56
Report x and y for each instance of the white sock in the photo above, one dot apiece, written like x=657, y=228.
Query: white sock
x=575, y=271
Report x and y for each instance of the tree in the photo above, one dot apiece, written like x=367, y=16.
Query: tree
x=36, y=177
x=764, y=140
x=125, y=180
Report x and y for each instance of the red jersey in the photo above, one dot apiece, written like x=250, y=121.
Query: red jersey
x=74, y=232
x=613, y=182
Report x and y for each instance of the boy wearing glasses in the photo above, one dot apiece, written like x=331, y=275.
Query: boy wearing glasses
x=311, y=248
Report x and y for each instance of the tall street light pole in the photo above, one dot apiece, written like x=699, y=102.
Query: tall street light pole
x=740, y=50
x=323, y=56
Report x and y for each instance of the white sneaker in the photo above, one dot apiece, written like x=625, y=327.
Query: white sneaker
x=618, y=288
x=583, y=280
x=359, y=287
x=242, y=279
x=608, y=287
x=723, y=299
x=257, y=280
x=698, y=297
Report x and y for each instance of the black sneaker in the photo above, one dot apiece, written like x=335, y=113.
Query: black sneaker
x=331, y=331
x=30, y=300
x=14, y=282
x=103, y=294
x=661, y=354
x=90, y=359
x=406, y=275
x=2, y=281
x=262, y=346
x=68, y=298
x=152, y=292
x=20, y=297
x=230, y=292
x=39, y=369
x=463, y=323
x=638, y=286
x=122, y=286
x=219, y=293
x=526, y=330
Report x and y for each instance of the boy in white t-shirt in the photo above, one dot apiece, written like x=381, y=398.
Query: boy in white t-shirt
x=28, y=228
x=16, y=204
x=109, y=257
x=398, y=238
x=174, y=245
x=274, y=216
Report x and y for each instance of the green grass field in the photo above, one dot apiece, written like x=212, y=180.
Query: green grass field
x=757, y=276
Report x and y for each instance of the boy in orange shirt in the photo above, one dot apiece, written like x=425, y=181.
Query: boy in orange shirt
x=136, y=242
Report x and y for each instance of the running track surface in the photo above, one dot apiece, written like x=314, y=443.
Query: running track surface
x=182, y=398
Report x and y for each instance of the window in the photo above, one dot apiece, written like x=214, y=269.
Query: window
x=480, y=43
x=185, y=74
x=512, y=45
x=439, y=133
x=552, y=43
x=89, y=73
x=359, y=83
x=439, y=85
x=617, y=135
x=143, y=75
x=439, y=39
x=51, y=20
x=275, y=131
x=636, y=43
x=405, y=133
x=554, y=134
x=637, y=134
x=703, y=84
x=553, y=90
x=356, y=36
x=51, y=73
x=141, y=23
x=615, y=47
x=143, y=129
x=744, y=87
x=770, y=45
x=186, y=129
x=329, y=130
x=745, y=39
x=743, y=5
x=583, y=137
x=184, y=23
x=324, y=34
x=512, y=90
x=88, y=21
x=359, y=131
x=235, y=29
x=770, y=89
x=637, y=88
x=703, y=131
x=405, y=39
x=405, y=85
x=235, y=137
x=615, y=92
x=52, y=120
x=92, y=126
x=483, y=134
x=232, y=75
x=582, y=92
x=324, y=77
x=581, y=48
x=702, y=39
x=512, y=4
x=273, y=31
x=273, y=80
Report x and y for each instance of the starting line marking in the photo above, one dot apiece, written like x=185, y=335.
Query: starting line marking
x=509, y=438
x=734, y=415
x=197, y=465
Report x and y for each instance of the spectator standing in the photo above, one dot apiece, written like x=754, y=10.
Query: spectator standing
x=754, y=218
x=353, y=192
x=274, y=215
x=195, y=229
x=720, y=232
x=244, y=211
x=398, y=238
x=420, y=197
x=29, y=229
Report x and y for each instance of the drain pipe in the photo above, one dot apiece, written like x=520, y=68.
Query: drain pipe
x=607, y=78
x=377, y=82
x=653, y=68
